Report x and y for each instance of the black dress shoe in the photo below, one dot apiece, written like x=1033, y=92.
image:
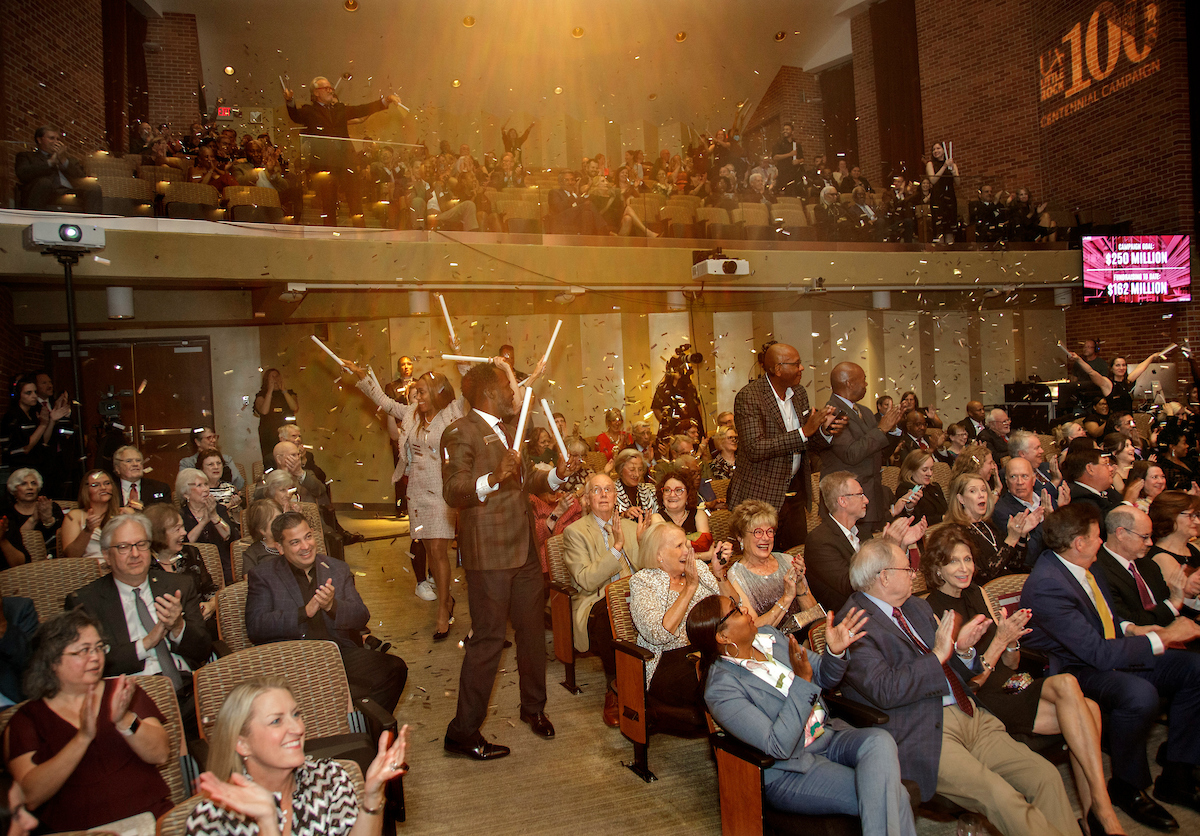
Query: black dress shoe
x=1175, y=793
x=480, y=750
x=1140, y=807
x=540, y=723
x=352, y=537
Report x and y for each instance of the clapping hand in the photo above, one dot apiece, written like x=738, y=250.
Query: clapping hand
x=839, y=637
x=1012, y=627
x=123, y=689
x=388, y=763
x=241, y=795
x=801, y=666
x=323, y=598
x=169, y=608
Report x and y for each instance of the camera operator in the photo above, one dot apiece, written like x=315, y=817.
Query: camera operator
x=676, y=401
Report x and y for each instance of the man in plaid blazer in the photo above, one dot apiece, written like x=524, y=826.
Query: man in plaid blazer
x=777, y=431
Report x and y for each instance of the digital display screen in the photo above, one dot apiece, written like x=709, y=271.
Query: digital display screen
x=1137, y=268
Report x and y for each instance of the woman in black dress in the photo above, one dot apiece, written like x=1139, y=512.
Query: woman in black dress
x=274, y=406
x=173, y=554
x=1176, y=463
x=1118, y=389
x=205, y=519
x=28, y=510
x=1175, y=517
x=1054, y=705
x=970, y=505
x=916, y=471
x=943, y=203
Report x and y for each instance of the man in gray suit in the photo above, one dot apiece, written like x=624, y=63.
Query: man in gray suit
x=864, y=445
x=914, y=668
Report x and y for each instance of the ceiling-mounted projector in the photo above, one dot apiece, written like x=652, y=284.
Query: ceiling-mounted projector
x=720, y=267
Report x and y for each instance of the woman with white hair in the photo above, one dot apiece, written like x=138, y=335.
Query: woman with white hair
x=29, y=511
x=206, y=520
x=660, y=600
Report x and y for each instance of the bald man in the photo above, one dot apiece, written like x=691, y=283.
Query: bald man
x=865, y=444
x=974, y=421
x=777, y=430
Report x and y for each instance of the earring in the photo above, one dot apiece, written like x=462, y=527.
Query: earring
x=735, y=647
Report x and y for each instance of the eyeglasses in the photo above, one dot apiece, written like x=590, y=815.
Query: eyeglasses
x=912, y=573
x=129, y=461
x=124, y=549
x=673, y=491
x=598, y=491
x=1193, y=514
x=848, y=495
x=1145, y=538
x=737, y=607
x=84, y=652
x=763, y=532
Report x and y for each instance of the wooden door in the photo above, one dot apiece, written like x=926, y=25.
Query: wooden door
x=106, y=379
x=174, y=397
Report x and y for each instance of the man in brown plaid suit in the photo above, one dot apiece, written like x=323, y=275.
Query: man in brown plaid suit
x=777, y=431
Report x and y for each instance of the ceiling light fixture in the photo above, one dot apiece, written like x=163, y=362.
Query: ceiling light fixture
x=558, y=91
x=229, y=71
x=577, y=32
x=456, y=83
x=350, y=5
x=680, y=37
x=779, y=36
x=468, y=21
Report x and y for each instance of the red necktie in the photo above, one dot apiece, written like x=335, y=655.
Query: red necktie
x=133, y=494
x=1143, y=590
x=956, y=687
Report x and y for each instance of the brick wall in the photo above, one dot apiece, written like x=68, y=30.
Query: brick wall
x=1128, y=147
x=53, y=72
x=864, y=97
x=795, y=95
x=173, y=70
x=979, y=86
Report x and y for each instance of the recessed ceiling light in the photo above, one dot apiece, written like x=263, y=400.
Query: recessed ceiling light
x=229, y=71
x=557, y=91
x=456, y=83
x=350, y=5
x=653, y=96
x=680, y=37
x=779, y=36
x=468, y=21
x=577, y=32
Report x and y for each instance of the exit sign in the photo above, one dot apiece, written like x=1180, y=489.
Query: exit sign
x=224, y=112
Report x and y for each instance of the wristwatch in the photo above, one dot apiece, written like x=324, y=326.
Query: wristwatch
x=133, y=727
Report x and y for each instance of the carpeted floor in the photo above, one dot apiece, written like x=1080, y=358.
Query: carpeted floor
x=573, y=782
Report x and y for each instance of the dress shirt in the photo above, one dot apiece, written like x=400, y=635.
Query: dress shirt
x=851, y=533
x=791, y=421
x=482, y=488
x=617, y=553
x=137, y=632
x=978, y=426
x=1032, y=506
x=125, y=486
x=1078, y=573
x=1194, y=603
x=886, y=609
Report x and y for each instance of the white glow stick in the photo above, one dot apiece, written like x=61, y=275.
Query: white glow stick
x=449, y=324
x=282, y=84
x=522, y=419
x=461, y=358
x=558, y=439
x=553, y=337
x=374, y=379
x=325, y=348
x=1065, y=350
x=1168, y=350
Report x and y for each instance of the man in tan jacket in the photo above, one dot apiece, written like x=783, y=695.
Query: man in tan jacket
x=599, y=549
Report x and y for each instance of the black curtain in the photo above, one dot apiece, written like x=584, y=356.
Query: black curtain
x=897, y=88
x=841, y=128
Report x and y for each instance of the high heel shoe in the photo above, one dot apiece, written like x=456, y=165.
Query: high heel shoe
x=439, y=635
x=1096, y=828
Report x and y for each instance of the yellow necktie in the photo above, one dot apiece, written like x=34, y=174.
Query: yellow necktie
x=1110, y=630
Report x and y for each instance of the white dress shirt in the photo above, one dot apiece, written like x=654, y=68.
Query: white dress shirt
x=482, y=487
x=1077, y=572
x=137, y=632
x=791, y=421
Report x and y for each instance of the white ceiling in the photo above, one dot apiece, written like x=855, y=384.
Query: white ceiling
x=517, y=53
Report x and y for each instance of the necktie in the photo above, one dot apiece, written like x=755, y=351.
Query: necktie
x=956, y=686
x=1143, y=590
x=133, y=494
x=1106, y=619
x=161, y=651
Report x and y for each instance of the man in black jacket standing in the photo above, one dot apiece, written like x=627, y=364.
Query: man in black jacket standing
x=327, y=117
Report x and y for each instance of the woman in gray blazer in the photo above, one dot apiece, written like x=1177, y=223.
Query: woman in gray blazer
x=764, y=689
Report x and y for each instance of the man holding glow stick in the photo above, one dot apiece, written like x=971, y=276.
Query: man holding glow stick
x=486, y=478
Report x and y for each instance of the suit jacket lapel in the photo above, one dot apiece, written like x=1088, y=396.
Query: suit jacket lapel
x=772, y=404
x=113, y=596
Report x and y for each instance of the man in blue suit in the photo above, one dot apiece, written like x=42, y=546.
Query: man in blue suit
x=914, y=668
x=302, y=594
x=1123, y=667
x=1021, y=494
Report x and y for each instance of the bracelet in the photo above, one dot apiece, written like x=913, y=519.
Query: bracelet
x=987, y=666
x=1013, y=649
x=780, y=606
x=371, y=811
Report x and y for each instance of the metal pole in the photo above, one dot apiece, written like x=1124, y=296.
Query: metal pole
x=68, y=260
